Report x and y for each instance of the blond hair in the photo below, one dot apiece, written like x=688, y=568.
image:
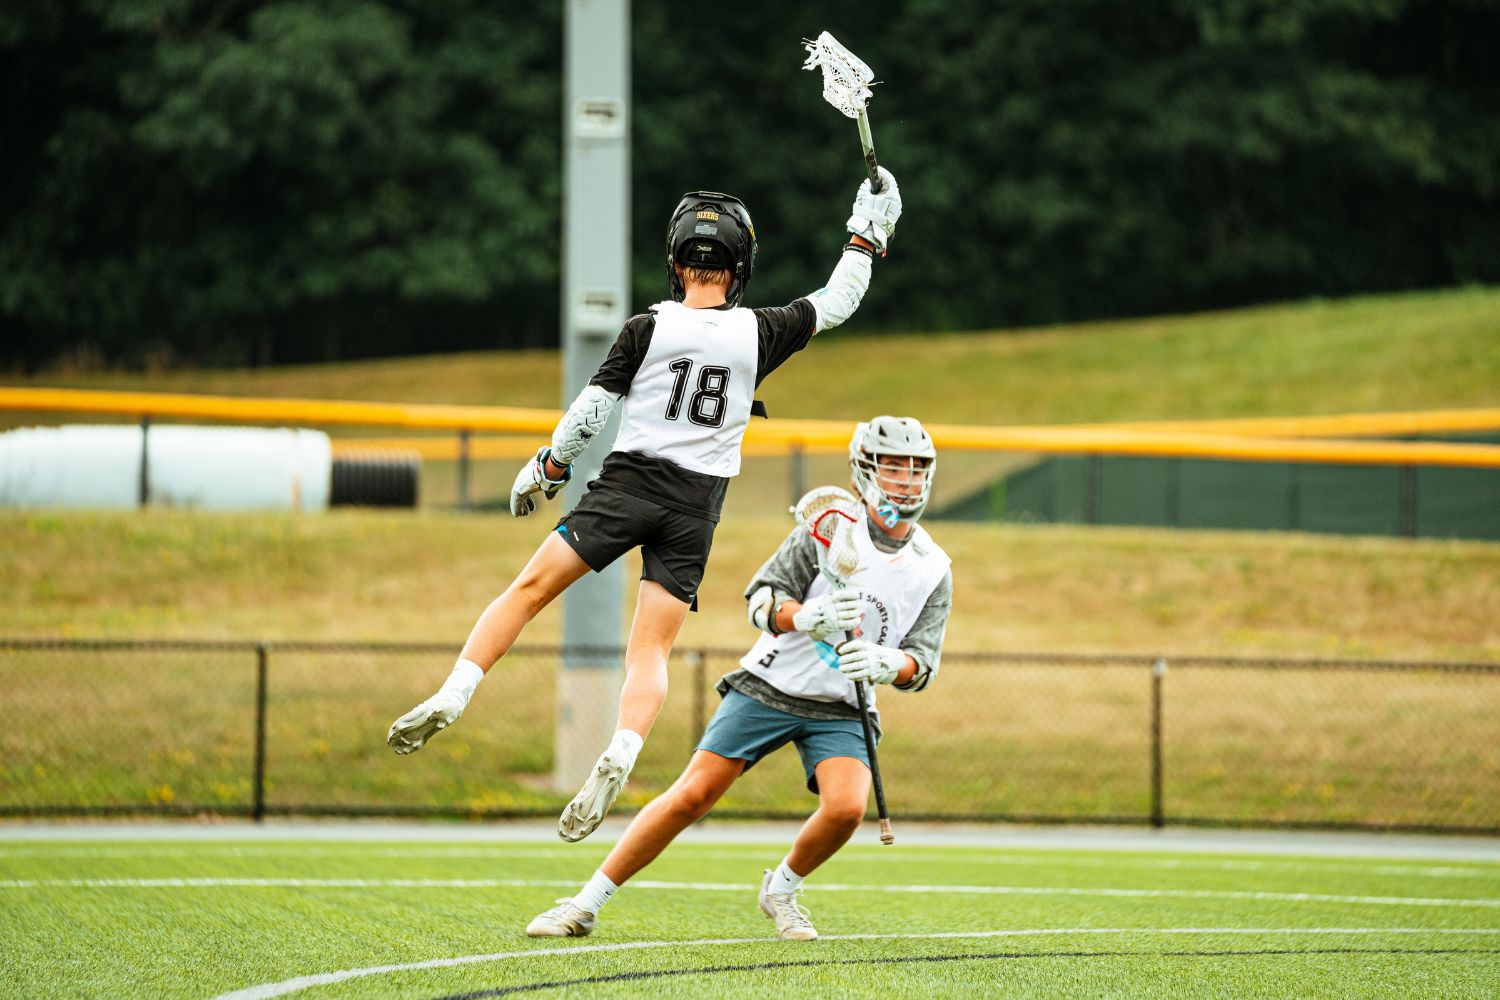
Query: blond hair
x=705, y=275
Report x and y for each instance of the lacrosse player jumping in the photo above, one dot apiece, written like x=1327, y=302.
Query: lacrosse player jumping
x=686, y=372
x=794, y=687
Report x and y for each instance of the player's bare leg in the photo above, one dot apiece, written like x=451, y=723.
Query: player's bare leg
x=552, y=569
x=707, y=777
x=843, y=788
x=658, y=619
x=843, y=791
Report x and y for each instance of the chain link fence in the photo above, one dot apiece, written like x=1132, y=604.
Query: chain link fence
x=255, y=729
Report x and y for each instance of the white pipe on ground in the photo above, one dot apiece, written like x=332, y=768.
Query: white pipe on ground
x=210, y=468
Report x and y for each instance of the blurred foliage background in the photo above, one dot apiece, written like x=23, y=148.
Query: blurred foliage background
x=248, y=183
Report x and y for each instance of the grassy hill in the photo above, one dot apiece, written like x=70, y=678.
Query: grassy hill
x=367, y=575
x=426, y=576
x=1415, y=351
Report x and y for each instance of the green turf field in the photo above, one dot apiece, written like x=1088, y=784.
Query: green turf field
x=442, y=916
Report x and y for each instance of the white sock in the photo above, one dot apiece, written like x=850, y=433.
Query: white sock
x=595, y=893
x=784, y=880
x=465, y=678
x=625, y=747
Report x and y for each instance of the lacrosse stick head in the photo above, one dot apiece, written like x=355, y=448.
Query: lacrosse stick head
x=828, y=514
x=846, y=77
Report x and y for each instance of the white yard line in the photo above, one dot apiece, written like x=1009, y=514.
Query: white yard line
x=981, y=890
x=266, y=990
x=1174, y=840
x=722, y=853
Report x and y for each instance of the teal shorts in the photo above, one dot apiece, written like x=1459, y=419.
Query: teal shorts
x=744, y=729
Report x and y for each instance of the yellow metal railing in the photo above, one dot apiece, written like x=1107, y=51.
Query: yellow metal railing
x=244, y=409
x=1280, y=439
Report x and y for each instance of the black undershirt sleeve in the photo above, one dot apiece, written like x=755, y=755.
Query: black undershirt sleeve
x=626, y=355
x=783, y=330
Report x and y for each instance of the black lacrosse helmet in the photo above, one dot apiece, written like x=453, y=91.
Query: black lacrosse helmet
x=710, y=229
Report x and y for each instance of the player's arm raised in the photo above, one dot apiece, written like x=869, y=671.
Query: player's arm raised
x=871, y=225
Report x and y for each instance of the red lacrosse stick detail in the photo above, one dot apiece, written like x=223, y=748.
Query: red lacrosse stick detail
x=825, y=533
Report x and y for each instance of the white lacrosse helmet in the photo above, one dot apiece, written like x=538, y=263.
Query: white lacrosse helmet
x=892, y=460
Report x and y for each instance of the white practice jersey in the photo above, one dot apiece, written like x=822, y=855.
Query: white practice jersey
x=894, y=586
x=690, y=399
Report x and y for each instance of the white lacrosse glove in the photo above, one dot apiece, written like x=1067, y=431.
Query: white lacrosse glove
x=862, y=660
x=875, y=215
x=829, y=616
x=533, y=479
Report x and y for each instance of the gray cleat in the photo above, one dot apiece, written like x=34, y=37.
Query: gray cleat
x=583, y=815
x=415, y=728
x=566, y=919
x=791, y=919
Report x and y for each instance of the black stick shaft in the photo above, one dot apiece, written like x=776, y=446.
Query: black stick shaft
x=867, y=142
x=886, y=837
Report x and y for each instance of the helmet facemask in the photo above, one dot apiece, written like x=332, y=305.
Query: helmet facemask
x=892, y=461
x=897, y=486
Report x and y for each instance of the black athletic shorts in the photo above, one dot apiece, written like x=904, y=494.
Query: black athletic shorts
x=606, y=524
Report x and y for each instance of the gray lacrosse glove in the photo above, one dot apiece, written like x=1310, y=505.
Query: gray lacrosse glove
x=830, y=615
x=875, y=215
x=532, y=479
x=862, y=660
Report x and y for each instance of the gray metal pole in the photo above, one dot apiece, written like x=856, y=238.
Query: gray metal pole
x=145, y=478
x=596, y=280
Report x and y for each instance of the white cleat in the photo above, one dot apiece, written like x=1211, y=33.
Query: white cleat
x=583, y=815
x=566, y=919
x=415, y=728
x=791, y=919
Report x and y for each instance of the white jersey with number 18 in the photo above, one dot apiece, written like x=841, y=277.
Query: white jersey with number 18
x=690, y=399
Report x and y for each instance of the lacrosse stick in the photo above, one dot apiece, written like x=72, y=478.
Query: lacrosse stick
x=827, y=514
x=846, y=85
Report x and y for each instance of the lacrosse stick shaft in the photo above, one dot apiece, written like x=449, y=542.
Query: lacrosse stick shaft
x=812, y=510
x=886, y=836
x=868, y=144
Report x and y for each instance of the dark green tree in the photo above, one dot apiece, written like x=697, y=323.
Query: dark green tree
x=284, y=180
x=240, y=181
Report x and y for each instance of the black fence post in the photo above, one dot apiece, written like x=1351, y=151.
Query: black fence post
x=258, y=810
x=1174, y=493
x=700, y=678
x=1406, y=501
x=797, y=466
x=463, y=469
x=1093, y=488
x=1294, y=497
x=1158, y=671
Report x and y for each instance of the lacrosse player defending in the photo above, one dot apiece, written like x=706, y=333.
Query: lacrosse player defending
x=794, y=687
x=684, y=374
